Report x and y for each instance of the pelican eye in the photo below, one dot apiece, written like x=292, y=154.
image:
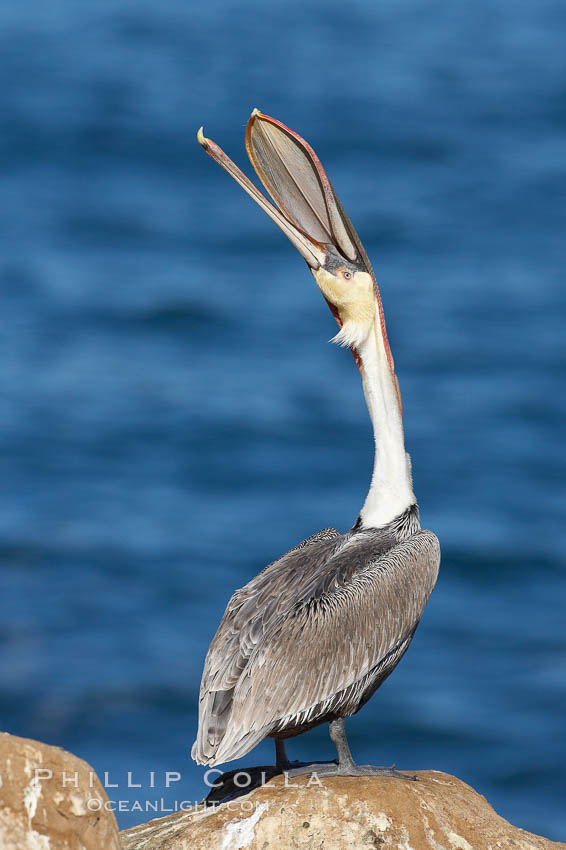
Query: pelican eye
x=347, y=275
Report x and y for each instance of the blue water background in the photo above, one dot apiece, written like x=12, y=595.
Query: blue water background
x=173, y=417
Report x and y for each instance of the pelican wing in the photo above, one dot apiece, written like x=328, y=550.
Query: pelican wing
x=319, y=631
x=250, y=614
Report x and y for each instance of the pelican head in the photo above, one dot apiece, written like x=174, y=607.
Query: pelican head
x=310, y=214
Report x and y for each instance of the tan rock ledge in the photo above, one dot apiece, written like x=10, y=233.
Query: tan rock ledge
x=439, y=812
x=51, y=800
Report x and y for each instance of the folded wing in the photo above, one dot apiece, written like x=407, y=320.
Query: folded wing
x=308, y=633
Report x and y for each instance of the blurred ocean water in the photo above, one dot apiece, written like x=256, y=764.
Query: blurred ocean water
x=173, y=419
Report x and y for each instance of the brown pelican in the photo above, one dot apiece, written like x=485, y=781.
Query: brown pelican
x=311, y=638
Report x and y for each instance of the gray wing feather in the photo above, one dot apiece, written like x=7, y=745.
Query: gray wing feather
x=241, y=629
x=312, y=625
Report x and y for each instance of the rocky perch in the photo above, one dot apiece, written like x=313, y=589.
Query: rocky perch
x=51, y=800
x=438, y=812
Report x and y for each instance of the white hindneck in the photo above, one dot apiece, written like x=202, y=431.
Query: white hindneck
x=391, y=489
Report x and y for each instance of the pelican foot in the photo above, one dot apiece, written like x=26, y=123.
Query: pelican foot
x=334, y=769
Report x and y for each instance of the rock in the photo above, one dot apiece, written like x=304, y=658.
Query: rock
x=438, y=812
x=51, y=800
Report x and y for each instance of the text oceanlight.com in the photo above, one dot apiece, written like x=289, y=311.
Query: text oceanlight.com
x=95, y=804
